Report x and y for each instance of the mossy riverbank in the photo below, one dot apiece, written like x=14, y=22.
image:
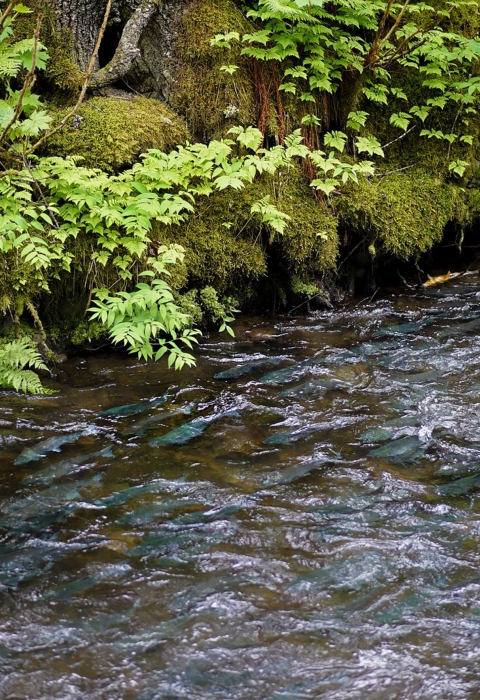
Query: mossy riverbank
x=231, y=258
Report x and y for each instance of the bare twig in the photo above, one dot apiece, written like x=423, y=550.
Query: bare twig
x=398, y=170
x=400, y=137
x=404, y=49
x=368, y=299
x=372, y=55
x=350, y=253
x=86, y=83
x=399, y=51
x=328, y=303
x=37, y=321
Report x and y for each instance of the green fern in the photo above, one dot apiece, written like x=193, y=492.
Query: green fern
x=15, y=357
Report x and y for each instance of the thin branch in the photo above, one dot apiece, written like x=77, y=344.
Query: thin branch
x=368, y=299
x=27, y=83
x=404, y=50
x=86, y=83
x=321, y=294
x=372, y=55
x=382, y=23
x=399, y=51
x=460, y=109
x=391, y=172
x=395, y=26
x=37, y=321
x=400, y=137
x=8, y=10
x=350, y=253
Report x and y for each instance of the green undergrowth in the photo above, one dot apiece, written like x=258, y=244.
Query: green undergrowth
x=110, y=132
x=74, y=332
x=406, y=149
x=228, y=248
x=205, y=307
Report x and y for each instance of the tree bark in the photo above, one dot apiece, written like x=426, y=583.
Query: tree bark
x=155, y=69
x=83, y=18
x=147, y=30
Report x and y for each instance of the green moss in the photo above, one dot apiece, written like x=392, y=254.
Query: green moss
x=224, y=247
x=472, y=205
x=211, y=100
x=110, y=133
x=404, y=213
x=61, y=70
x=303, y=288
x=217, y=309
x=310, y=242
x=188, y=304
x=86, y=331
x=215, y=255
x=19, y=285
x=228, y=248
x=205, y=307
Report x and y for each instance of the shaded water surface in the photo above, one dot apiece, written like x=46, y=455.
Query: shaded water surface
x=304, y=525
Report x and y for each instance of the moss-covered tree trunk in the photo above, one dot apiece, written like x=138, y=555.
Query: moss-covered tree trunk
x=128, y=47
x=155, y=68
x=83, y=19
x=139, y=44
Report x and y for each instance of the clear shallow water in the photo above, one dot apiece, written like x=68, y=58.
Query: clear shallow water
x=319, y=537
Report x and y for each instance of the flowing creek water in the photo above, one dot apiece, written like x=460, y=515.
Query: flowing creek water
x=306, y=524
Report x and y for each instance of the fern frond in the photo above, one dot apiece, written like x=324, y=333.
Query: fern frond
x=23, y=380
x=14, y=357
x=21, y=353
x=286, y=8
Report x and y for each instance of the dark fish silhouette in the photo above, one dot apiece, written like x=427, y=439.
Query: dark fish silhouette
x=67, y=466
x=134, y=408
x=186, y=432
x=52, y=444
x=247, y=368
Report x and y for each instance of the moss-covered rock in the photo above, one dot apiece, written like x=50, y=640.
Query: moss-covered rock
x=211, y=100
x=228, y=247
x=403, y=213
x=218, y=253
x=111, y=132
x=310, y=242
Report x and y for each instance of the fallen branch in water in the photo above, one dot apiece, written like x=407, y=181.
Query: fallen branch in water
x=441, y=279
